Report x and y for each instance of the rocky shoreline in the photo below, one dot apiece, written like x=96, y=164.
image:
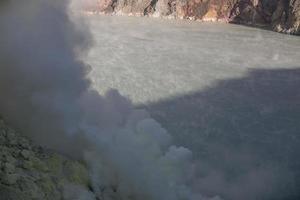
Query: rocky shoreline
x=30, y=172
x=278, y=15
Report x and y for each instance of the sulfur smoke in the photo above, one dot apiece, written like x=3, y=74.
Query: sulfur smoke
x=44, y=92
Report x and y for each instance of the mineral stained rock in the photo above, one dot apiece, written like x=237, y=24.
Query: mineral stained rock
x=280, y=15
x=29, y=172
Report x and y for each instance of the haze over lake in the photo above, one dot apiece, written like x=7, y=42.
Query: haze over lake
x=229, y=93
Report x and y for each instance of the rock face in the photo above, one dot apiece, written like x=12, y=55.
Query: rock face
x=286, y=17
x=28, y=172
x=280, y=15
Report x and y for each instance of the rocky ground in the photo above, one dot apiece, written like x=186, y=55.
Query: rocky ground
x=278, y=15
x=30, y=172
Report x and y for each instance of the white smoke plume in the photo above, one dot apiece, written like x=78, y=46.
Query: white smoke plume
x=44, y=92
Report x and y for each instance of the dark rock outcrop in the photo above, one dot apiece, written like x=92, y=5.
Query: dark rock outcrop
x=279, y=15
x=286, y=17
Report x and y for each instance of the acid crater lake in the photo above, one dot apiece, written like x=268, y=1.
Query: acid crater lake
x=229, y=93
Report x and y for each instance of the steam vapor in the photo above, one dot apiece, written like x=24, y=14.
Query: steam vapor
x=45, y=93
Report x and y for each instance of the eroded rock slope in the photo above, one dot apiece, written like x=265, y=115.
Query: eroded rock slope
x=279, y=15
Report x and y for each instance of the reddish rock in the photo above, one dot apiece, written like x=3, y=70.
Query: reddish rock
x=165, y=7
x=281, y=15
x=134, y=7
x=106, y=6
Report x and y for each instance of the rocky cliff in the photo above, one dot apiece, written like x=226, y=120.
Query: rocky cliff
x=29, y=172
x=279, y=15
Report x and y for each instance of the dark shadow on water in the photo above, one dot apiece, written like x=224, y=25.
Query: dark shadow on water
x=245, y=132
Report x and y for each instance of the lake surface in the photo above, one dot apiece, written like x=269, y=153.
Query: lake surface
x=229, y=93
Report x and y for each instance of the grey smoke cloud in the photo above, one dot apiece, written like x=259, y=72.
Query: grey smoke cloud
x=40, y=76
x=45, y=93
x=87, y=5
